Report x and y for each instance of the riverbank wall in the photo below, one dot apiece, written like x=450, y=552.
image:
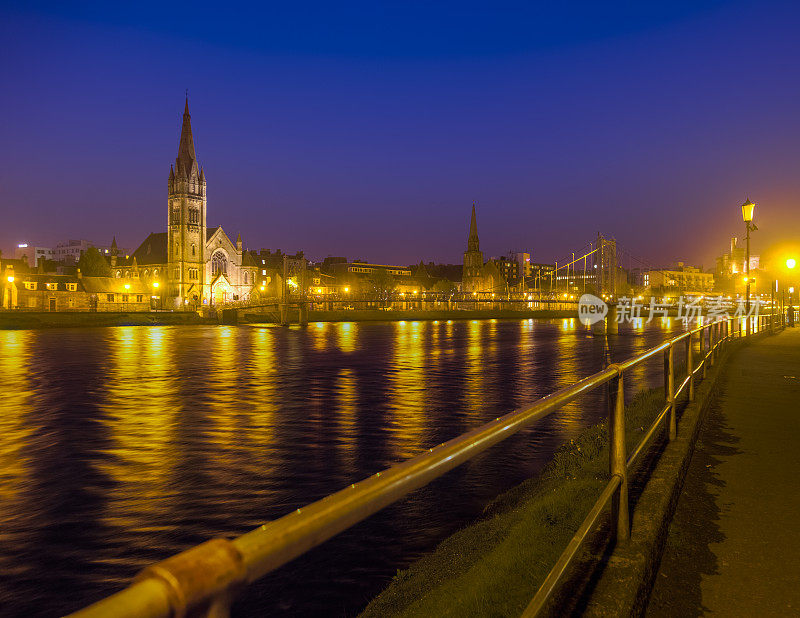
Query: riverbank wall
x=376, y=315
x=72, y=319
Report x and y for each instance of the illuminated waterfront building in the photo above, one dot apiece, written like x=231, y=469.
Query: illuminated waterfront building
x=195, y=264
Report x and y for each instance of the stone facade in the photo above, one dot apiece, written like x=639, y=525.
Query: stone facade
x=190, y=264
x=25, y=290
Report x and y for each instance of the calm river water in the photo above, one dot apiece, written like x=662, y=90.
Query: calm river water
x=122, y=446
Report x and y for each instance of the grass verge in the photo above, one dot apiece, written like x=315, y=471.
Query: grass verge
x=494, y=566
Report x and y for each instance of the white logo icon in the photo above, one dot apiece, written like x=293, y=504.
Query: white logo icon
x=591, y=309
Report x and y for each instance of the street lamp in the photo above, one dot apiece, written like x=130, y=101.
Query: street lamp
x=747, y=215
x=790, y=264
x=155, y=289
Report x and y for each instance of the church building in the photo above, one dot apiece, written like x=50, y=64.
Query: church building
x=191, y=263
x=479, y=278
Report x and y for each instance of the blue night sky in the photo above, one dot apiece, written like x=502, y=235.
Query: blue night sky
x=366, y=129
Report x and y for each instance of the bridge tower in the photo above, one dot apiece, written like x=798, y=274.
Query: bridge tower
x=606, y=266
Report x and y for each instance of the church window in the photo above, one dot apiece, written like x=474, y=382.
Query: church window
x=127, y=274
x=118, y=274
x=155, y=272
x=177, y=273
x=219, y=264
x=177, y=249
x=194, y=216
x=109, y=298
x=146, y=273
x=194, y=249
x=176, y=216
x=124, y=298
x=138, y=298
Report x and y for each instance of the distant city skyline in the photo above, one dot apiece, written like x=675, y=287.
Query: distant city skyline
x=369, y=134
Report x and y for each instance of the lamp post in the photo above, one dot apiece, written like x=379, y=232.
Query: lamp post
x=747, y=214
x=10, y=291
x=790, y=264
x=155, y=289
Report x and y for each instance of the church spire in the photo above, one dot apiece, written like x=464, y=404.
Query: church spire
x=472, y=242
x=186, y=163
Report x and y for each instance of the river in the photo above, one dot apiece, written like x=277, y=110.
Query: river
x=121, y=446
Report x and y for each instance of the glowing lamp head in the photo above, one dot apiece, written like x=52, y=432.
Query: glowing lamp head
x=155, y=284
x=127, y=286
x=11, y=279
x=791, y=263
x=747, y=210
x=347, y=289
x=319, y=290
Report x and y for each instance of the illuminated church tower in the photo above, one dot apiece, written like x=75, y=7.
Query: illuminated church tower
x=471, y=278
x=186, y=221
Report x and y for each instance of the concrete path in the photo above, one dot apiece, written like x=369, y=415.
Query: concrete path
x=734, y=544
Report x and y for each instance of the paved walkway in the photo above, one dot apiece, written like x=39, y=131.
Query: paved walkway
x=734, y=544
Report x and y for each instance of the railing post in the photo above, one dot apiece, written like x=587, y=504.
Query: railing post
x=618, y=458
x=703, y=330
x=712, y=351
x=673, y=422
x=690, y=366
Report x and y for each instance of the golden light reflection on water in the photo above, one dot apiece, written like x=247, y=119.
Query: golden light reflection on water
x=407, y=391
x=318, y=333
x=347, y=419
x=473, y=370
x=139, y=409
x=263, y=397
x=16, y=399
x=346, y=336
x=226, y=404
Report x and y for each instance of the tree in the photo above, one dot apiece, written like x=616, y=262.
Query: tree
x=383, y=282
x=444, y=286
x=93, y=264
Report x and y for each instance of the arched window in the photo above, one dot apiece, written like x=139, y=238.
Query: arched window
x=219, y=264
x=119, y=274
x=194, y=249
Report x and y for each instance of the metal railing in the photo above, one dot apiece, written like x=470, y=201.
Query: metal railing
x=203, y=580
